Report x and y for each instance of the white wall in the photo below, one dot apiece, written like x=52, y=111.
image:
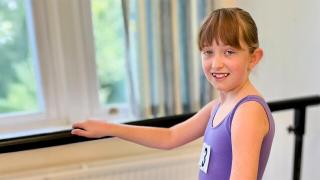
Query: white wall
x=289, y=34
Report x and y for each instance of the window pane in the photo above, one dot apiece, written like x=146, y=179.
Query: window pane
x=18, y=92
x=110, y=50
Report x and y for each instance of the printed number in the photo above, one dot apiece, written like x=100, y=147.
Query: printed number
x=204, y=157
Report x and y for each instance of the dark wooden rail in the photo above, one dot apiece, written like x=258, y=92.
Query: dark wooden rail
x=299, y=106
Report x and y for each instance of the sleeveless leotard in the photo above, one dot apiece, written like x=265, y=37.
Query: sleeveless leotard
x=219, y=141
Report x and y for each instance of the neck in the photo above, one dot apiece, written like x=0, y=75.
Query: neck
x=236, y=94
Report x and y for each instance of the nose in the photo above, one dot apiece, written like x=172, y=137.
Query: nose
x=217, y=62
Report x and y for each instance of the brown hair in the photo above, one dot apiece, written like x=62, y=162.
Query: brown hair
x=229, y=25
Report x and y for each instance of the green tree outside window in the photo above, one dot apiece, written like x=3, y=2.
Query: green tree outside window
x=110, y=50
x=17, y=77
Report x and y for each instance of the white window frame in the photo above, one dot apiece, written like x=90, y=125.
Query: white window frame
x=66, y=54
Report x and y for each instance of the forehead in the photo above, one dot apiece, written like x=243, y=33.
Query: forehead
x=221, y=44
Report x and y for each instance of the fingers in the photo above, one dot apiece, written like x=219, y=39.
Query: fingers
x=78, y=125
x=79, y=129
x=80, y=132
x=88, y=128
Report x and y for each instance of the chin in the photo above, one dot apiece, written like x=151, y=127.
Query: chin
x=223, y=89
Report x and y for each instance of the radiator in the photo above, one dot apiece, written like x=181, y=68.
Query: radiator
x=151, y=167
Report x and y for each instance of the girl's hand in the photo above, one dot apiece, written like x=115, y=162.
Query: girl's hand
x=91, y=128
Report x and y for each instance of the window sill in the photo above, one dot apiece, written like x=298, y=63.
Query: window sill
x=60, y=136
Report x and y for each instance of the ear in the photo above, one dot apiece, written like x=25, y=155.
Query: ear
x=256, y=56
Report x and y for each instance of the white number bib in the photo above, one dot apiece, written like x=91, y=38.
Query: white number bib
x=204, y=158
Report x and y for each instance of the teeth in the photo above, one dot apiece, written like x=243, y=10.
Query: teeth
x=220, y=75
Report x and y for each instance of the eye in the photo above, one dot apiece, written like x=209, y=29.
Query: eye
x=229, y=52
x=207, y=53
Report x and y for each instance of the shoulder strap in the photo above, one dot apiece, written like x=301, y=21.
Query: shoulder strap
x=258, y=99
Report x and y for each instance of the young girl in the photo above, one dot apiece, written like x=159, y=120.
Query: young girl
x=238, y=127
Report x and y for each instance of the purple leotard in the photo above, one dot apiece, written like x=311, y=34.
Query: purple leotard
x=219, y=140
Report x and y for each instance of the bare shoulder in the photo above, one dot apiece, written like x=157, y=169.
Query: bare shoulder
x=248, y=129
x=210, y=105
x=205, y=111
x=203, y=115
x=249, y=117
x=194, y=127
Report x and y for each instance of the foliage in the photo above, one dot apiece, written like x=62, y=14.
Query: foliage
x=17, y=77
x=17, y=85
x=110, y=49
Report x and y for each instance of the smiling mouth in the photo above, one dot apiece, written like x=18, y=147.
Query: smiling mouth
x=220, y=75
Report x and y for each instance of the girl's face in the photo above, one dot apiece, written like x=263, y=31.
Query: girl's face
x=226, y=67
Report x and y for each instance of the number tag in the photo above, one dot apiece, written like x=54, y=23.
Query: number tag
x=204, y=158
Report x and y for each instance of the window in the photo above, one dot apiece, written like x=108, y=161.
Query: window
x=19, y=90
x=60, y=62
x=65, y=61
x=110, y=51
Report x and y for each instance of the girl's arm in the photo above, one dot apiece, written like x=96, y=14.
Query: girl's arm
x=249, y=126
x=161, y=138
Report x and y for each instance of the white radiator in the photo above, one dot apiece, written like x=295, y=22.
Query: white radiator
x=151, y=167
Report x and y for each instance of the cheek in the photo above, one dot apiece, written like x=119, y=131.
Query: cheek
x=243, y=73
x=206, y=65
